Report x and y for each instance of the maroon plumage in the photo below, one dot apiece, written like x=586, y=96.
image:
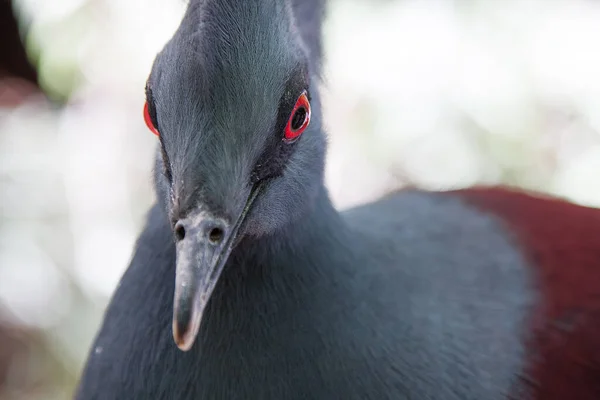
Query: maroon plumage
x=562, y=243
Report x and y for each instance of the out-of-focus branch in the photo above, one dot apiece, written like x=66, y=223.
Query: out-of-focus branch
x=18, y=78
x=13, y=56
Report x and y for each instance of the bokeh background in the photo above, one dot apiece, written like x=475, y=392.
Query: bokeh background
x=432, y=93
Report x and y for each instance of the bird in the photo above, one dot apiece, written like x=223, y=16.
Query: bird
x=247, y=283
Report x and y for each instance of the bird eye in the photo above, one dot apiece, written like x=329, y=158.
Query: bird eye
x=148, y=120
x=299, y=119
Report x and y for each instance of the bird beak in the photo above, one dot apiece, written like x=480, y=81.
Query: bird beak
x=202, y=253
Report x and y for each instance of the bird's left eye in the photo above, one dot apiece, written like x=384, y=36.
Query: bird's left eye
x=299, y=119
x=148, y=120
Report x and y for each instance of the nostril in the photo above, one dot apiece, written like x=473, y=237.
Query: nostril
x=179, y=232
x=216, y=235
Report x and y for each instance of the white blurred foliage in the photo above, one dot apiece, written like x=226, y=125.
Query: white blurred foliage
x=103, y=143
x=31, y=285
x=97, y=181
x=460, y=93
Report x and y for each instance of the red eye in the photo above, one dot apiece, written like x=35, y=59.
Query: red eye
x=148, y=120
x=299, y=119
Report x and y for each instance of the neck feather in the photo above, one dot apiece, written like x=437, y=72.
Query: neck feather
x=321, y=225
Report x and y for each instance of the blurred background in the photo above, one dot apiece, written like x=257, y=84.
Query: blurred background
x=432, y=93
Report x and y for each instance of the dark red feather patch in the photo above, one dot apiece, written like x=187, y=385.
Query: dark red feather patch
x=562, y=242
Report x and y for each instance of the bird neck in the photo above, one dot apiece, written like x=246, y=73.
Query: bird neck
x=320, y=223
x=292, y=269
x=318, y=231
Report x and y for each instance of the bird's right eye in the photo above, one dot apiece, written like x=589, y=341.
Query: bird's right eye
x=148, y=120
x=299, y=119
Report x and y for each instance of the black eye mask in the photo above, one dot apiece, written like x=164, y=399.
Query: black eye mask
x=277, y=152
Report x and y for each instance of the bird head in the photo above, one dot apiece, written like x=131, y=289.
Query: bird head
x=234, y=106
